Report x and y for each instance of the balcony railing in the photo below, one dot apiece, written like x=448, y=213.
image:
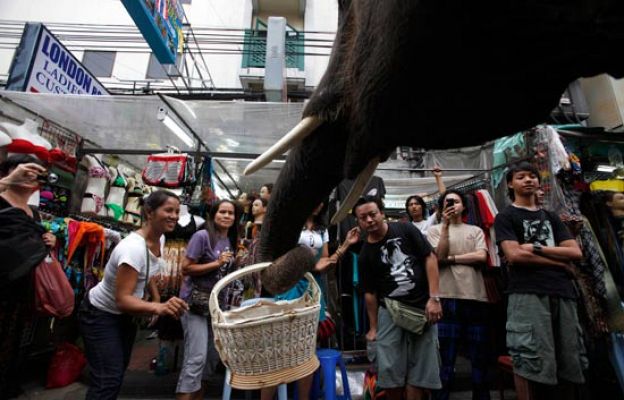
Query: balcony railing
x=254, y=48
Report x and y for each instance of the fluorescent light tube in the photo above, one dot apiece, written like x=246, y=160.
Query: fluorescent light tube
x=605, y=168
x=178, y=131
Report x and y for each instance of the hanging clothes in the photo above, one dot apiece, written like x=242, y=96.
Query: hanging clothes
x=506, y=149
x=169, y=279
x=488, y=214
x=85, y=233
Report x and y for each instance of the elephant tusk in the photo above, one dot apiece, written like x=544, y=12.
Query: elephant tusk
x=296, y=134
x=356, y=190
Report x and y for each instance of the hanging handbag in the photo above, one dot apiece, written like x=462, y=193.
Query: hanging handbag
x=54, y=295
x=198, y=301
x=407, y=317
x=169, y=170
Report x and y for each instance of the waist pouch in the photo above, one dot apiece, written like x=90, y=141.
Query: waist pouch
x=407, y=317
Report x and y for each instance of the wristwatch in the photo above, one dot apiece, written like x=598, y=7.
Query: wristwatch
x=537, y=248
x=435, y=298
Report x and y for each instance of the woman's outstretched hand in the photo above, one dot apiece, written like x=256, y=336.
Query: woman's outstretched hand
x=173, y=307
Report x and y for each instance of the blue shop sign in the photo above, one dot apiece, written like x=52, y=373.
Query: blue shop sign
x=160, y=22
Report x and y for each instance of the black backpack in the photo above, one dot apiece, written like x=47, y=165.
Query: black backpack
x=21, y=245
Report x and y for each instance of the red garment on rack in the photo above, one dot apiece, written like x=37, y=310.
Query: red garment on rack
x=487, y=217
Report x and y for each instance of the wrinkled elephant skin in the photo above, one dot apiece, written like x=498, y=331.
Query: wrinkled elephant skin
x=436, y=74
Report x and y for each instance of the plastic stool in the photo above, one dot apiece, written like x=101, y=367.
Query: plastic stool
x=282, y=393
x=329, y=359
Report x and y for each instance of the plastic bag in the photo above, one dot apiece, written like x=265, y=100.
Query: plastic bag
x=66, y=365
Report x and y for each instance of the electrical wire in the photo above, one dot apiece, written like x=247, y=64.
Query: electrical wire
x=206, y=41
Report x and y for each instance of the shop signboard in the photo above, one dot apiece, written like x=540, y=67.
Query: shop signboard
x=160, y=22
x=43, y=65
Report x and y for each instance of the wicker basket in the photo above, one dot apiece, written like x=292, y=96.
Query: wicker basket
x=270, y=342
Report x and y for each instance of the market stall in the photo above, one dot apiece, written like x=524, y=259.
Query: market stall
x=109, y=151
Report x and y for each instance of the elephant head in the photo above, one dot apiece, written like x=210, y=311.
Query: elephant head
x=432, y=74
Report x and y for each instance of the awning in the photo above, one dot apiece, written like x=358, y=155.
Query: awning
x=235, y=130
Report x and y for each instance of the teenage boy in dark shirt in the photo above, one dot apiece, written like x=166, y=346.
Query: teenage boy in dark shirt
x=397, y=262
x=543, y=331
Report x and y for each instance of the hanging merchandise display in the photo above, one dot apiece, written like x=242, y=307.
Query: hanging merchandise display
x=55, y=195
x=4, y=139
x=169, y=170
x=507, y=149
x=115, y=201
x=64, y=146
x=26, y=140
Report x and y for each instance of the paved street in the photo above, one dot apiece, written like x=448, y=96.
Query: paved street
x=141, y=383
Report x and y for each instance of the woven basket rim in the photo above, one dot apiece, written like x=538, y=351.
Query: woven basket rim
x=300, y=314
x=215, y=311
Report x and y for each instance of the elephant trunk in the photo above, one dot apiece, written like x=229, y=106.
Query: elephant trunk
x=312, y=170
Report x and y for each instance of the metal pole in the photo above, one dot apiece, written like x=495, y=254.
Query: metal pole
x=430, y=169
x=225, y=156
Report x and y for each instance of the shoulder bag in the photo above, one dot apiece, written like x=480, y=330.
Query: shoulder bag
x=198, y=301
x=407, y=317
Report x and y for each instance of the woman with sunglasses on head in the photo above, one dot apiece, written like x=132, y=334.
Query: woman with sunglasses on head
x=462, y=252
x=20, y=177
x=106, y=313
x=209, y=257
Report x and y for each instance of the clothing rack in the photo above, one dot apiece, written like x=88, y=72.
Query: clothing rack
x=470, y=184
x=106, y=222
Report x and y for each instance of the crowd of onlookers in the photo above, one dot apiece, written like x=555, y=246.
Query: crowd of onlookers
x=423, y=283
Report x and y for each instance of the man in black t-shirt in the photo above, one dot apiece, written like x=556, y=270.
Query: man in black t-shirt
x=397, y=262
x=543, y=331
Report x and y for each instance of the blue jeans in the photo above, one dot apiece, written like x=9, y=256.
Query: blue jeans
x=108, y=340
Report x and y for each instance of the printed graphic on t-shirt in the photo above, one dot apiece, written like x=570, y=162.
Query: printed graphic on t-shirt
x=401, y=267
x=545, y=237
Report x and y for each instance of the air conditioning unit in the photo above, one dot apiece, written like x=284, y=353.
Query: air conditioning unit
x=572, y=107
x=605, y=97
